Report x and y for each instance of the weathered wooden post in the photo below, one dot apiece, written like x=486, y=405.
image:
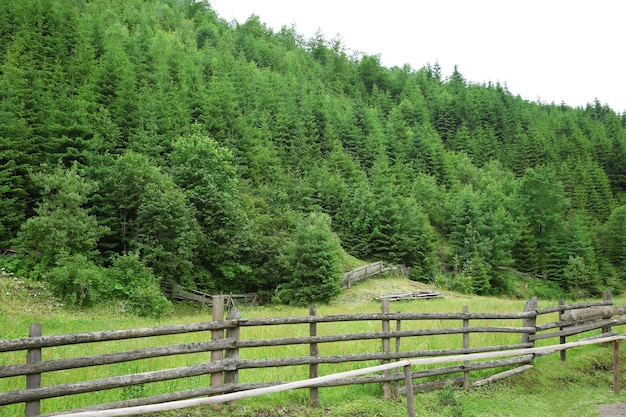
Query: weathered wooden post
x=466, y=345
x=607, y=298
x=398, y=329
x=216, y=335
x=232, y=376
x=530, y=307
x=33, y=380
x=313, y=351
x=408, y=385
x=562, y=339
x=616, y=387
x=386, y=347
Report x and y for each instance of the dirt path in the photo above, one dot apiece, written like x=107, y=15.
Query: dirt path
x=612, y=410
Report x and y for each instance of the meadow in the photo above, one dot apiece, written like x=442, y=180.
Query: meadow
x=551, y=388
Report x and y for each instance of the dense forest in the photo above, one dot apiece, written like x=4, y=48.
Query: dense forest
x=151, y=140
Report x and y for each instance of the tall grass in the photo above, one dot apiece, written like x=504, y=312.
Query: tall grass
x=19, y=309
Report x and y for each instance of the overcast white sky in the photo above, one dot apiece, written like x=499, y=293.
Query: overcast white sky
x=570, y=51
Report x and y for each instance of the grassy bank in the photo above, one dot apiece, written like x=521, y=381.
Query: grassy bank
x=551, y=388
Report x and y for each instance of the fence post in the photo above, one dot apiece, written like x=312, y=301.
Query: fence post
x=33, y=380
x=607, y=297
x=408, y=385
x=531, y=306
x=313, y=391
x=398, y=329
x=386, y=348
x=216, y=335
x=466, y=345
x=562, y=339
x=232, y=376
x=616, y=387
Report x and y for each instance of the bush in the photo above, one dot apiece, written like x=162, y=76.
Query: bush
x=454, y=282
x=137, y=283
x=544, y=289
x=78, y=281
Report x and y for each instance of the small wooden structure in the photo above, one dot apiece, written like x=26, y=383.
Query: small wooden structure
x=414, y=295
x=180, y=293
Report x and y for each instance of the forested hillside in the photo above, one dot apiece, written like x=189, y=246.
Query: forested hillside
x=143, y=141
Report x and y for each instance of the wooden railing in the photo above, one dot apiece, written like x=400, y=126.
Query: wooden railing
x=366, y=271
x=180, y=293
x=228, y=339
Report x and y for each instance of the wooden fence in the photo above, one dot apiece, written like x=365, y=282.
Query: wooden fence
x=410, y=335
x=366, y=271
x=180, y=293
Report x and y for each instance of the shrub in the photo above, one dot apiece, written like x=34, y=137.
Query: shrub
x=137, y=283
x=78, y=281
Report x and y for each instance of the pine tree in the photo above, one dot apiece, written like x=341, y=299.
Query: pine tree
x=313, y=258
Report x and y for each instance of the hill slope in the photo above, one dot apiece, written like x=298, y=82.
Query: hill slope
x=157, y=140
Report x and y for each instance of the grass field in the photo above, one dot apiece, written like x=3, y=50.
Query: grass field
x=551, y=388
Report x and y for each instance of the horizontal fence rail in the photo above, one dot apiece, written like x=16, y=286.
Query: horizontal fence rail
x=227, y=340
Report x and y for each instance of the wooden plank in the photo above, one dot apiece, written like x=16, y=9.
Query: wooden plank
x=20, y=396
x=423, y=294
x=483, y=365
x=574, y=330
x=379, y=335
x=108, y=335
x=502, y=375
x=377, y=317
x=593, y=313
x=111, y=358
x=572, y=307
x=173, y=396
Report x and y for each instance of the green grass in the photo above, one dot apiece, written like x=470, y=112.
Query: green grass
x=551, y=388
